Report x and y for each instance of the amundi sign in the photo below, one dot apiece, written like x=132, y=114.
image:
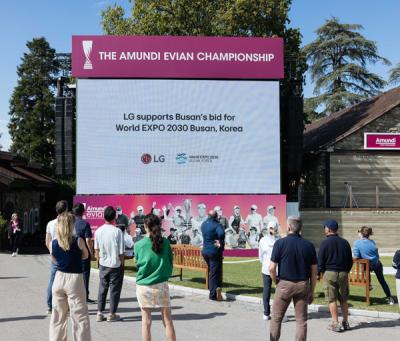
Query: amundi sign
x=382, y=141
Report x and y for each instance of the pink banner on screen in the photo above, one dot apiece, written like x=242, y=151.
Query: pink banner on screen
x=190, y=205
x=177, y=57
x=381, y=141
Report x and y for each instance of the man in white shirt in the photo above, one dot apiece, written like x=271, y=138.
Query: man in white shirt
x=264, y=254
x=109, y=250
x=61, y=207
x=254, y=219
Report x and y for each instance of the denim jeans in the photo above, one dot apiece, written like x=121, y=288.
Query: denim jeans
x=53, y=270
x=86, y=274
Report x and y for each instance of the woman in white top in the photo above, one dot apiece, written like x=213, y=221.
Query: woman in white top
x=264, y=254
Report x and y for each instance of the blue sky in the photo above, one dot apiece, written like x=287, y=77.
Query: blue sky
x=58, y=20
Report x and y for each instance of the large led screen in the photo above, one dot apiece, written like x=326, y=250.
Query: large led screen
x=177, y=136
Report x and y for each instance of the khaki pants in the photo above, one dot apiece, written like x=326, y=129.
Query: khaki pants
x=69, y=292
x=285, y=292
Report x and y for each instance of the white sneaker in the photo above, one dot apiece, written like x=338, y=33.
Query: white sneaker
x=266, y=317
x=285, y=319
x=13, y=254
x=390, y=300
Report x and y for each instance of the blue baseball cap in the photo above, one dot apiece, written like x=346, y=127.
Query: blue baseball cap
x=331, y=224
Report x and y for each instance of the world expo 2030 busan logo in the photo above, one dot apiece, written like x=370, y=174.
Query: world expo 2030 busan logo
x=146, y=158
x=181, y=158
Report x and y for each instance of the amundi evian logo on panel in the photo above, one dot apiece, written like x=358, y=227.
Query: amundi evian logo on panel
x=94, y=212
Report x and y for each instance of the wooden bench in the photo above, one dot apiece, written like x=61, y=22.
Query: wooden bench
x=359, y=276
x=190, y=258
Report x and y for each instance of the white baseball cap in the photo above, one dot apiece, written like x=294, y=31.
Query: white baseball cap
x=140, y=208
x=254, y=207
x=236, y=206
x=271, y=206
x=178, y=208
x=217, y=208
x=273, y=225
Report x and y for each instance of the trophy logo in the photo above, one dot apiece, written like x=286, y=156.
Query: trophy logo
x=87, y=49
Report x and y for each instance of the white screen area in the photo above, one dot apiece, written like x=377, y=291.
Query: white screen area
x=177, y=136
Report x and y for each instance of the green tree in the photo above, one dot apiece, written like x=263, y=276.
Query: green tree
x=241, y=18
x=338, y=60
x=32, y=113
x=264, y=18
x=394, y=77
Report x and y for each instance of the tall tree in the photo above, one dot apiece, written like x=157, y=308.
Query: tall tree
x=247, y=18
x=338, y=60
x=32, y=105
x=394, y=77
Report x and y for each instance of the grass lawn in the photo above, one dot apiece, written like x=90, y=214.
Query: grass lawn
x=245, y=279
x=386, y=261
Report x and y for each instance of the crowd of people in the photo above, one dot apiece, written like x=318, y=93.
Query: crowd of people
x=69, y=241
x=291, y=263
x=294, y=266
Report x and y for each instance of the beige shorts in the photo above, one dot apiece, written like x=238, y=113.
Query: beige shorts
x=153, y=296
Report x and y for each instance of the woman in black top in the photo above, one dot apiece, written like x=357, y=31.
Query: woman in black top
x=68, y=289
x=15, y=234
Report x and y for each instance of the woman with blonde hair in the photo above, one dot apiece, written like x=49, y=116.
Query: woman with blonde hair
x=365, y=248
x=15, y=234
x=68, y=291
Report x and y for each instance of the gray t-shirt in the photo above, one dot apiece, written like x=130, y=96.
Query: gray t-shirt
x=109, y=241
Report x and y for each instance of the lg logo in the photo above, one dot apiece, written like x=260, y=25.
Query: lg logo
x=147, y=158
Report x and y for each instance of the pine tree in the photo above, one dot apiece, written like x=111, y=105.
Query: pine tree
x=394, y=77
x=338, y=61
x=32, y=113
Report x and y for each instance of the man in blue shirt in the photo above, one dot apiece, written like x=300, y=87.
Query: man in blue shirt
x=83, y=230
x=213, y=248
x=296, y=261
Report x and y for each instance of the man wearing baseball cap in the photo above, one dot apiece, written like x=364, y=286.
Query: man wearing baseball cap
x=335, y=261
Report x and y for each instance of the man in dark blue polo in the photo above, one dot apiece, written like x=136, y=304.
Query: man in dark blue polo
x=335, y=261
x=296, y=261
x=213, y=248
x=83, y=230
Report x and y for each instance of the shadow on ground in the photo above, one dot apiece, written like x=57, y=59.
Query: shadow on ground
x=377, y=324
x=16, y=277
x=23, y=318
x=177, y=317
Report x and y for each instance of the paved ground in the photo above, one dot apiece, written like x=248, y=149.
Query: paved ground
x=23, y=282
